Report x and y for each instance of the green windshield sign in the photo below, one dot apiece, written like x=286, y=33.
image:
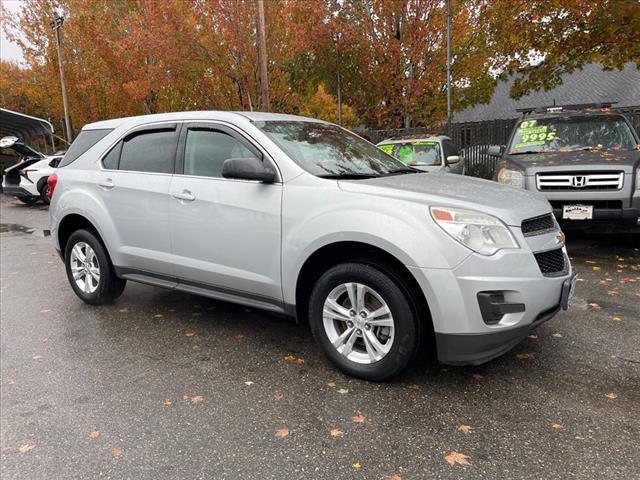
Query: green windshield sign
x=531, y=134
x=387, y=148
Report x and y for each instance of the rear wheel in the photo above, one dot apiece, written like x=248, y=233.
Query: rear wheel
x=89, y=269
x=44, y=193
x=363, y=321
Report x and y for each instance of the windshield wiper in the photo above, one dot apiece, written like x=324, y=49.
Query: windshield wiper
x=526, y=152
x=349, y=176
x=402, y=171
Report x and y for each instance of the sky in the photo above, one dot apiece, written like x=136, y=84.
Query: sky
x=9, y=50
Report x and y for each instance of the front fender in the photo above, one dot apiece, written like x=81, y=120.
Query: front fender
x=401, y=228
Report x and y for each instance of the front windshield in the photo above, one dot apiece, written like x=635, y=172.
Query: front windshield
x=562, y=134
x=327, y=150
x=415, y=153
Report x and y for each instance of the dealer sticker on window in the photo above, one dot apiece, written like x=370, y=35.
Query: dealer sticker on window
x=577, y=212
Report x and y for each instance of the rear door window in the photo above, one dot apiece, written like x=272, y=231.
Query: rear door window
x=82, y=143
x=147, y=151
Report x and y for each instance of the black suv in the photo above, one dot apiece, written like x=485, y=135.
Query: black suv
x=585, y=159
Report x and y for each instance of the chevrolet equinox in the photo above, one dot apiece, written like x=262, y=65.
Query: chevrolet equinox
x=301, y=217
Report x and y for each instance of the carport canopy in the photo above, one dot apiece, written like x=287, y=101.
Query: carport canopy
x=23, y=126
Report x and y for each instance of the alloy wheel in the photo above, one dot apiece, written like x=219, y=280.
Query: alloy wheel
x=85, y=267
x=358, y=323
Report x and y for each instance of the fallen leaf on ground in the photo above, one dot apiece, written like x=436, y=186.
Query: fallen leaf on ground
x=167, y=403
x=11, y=382
x=282, y=432
x=343, y=391
x=477, y=376
x=197, y=399
x=464, y=429
x=116, y=452
x=526, y=355
x=331, y=385
x=394, y=477
x=159, y=315
x=185, y=397
x=278, y=396
x=358, y=418
x=335, y=433
x=457, y=457
x=189, y=333
x=300, y=361
x=94, y=434
x=617, y=319
x=595, y=269
x=123, y=310
x=611, y=396
x=557, y=426
x=37, y=357
x=357, y=466
x=26, y=448
x=595, y=306
x=414, y=386
x=248, y=382
x=289, y=358
x=557, y=335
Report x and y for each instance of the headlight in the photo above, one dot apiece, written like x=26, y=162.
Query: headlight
x=478, y=231
x=511, y=177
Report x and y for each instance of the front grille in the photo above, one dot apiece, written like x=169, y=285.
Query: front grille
x=538, y=225
x=580, y=181
x=597, y=204
x=552, y=263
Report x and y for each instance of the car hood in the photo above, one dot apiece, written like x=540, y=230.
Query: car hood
x=600, y=158
x=511, y=205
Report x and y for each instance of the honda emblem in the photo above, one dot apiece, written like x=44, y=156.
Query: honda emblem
x=579, y=181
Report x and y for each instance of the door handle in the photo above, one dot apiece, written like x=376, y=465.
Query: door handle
x=185, y=196
x=106, y=184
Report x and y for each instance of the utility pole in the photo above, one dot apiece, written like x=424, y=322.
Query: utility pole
x=336, y=39
x=449, y=67
x=262, y=57
x=56, y=24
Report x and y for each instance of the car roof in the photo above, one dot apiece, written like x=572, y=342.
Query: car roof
x=415, y=138
x=198, y=115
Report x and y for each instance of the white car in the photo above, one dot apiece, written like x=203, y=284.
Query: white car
x=27, y=180
x=431, y=153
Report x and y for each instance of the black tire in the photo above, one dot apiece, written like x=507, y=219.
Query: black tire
x=44, y=191
x=28, y=200
x=109, y=286
x=407, y=329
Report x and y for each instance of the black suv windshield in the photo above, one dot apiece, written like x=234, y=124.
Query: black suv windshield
x=327, y=150
x=559, y=134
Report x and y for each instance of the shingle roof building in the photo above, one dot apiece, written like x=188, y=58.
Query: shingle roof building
x=592, y=84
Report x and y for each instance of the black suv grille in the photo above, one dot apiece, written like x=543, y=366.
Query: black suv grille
x=538, y=225
x=552, y=262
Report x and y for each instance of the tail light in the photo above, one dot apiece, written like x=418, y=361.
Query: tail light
x=24, y=172
x=52, y=181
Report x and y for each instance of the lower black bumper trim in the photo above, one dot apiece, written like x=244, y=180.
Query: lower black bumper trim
x=475, y=349
x=16, y=191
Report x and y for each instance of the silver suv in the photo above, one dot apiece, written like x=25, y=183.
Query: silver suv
x=301, y=217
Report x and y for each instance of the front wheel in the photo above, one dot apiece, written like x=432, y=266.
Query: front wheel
x=89, y=269
x=28, y=200
x=363, y=321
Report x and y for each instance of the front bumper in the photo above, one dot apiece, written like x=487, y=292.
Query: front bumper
x=462, y=335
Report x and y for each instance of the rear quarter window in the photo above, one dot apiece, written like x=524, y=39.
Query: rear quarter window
x=83, y=142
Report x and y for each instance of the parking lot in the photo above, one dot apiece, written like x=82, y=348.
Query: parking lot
x=164, y=384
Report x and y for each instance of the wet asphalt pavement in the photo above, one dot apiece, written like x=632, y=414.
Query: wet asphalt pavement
x=169, y=385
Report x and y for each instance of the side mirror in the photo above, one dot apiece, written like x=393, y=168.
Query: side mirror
x=451, y=159
x=494, y=151
x=248, y=169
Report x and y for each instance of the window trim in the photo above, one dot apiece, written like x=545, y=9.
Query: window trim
x=230, y=130
x=141, y=129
